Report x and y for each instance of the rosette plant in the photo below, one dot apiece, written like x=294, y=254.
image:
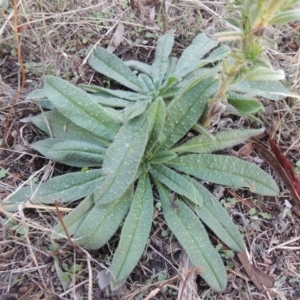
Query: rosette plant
x=137, y=147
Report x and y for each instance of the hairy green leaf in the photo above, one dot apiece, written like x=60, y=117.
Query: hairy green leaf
x=103, y=221
x=160, y=65
x=226, y=170
x=193, y=237
x=285, y=17
x=222, y=140
x=147, y=81
x=214, y=215
x=134, y=234
x=247, y=106
x=134, y=110
x=139, y=66
x=264, y=73
x=58, y=126
x=162, y=157
x=273, y=90
x=156, y=118
x=64, y=188
x=191, y=56
x=80, y=108
x=111, y=66
x=122, y=160
x=110, y=101
x=172, y=80
x=186, y=109
x=109, y=93
x=176, y=182
x=72, y=153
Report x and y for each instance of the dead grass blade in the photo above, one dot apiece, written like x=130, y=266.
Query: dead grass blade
x=22, y=68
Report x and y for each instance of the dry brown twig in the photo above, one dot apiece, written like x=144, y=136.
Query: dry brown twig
x=23, y=78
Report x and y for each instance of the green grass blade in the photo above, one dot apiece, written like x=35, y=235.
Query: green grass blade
x=134, y=234
x=80, y=108
x=176, y=183
x=111, y=66
x=122, y=160
x=193, y=237
x=222, y=140
x=227, y=170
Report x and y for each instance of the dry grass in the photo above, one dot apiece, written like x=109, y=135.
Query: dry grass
x=53, y=36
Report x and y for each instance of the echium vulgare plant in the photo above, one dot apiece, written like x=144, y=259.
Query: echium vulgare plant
x=137, y=145
x=248, y=64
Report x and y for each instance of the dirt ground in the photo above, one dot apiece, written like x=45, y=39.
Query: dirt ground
x=53, y=36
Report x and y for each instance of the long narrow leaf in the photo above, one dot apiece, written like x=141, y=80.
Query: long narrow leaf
x=161, y=61
x=193, y=237
x=80, y=108
x=186, y=109
x=222, y=140
x=109, y=93
x=214, y=215
x=139, y=66
x=62, y=128
x=103, y=221
x=122, y=160
x=176, y=182
x=72, y=153
x=156, y=117
x=111, y=66
x=64, y=188
x=110, y=101
x=273, y=90
x=218, y=54
x=134, y=110
x=190, y=57
x=226, y=170
x=134, y=234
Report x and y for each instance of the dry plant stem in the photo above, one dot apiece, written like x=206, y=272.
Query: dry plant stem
x=64, y=226
x=20, y=60
x=161, y=286
x=7, y=20
x=90, y=285
x=226, y=80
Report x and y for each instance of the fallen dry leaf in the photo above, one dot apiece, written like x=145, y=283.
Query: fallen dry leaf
x=280, y=164
x=287, y=166
x=258, y=277
x=116, y=38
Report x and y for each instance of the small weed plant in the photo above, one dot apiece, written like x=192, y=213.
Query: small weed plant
x=134, y=149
